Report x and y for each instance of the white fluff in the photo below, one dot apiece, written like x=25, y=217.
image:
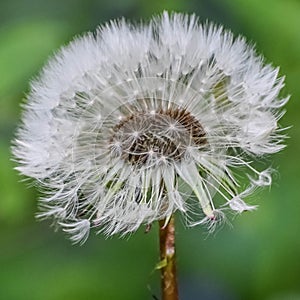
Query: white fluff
x=72, y=139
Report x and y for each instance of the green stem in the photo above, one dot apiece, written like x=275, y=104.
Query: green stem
x=168, y=262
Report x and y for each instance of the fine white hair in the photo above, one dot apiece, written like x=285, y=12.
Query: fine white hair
x=130, y=124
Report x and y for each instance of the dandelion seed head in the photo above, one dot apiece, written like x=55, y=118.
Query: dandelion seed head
x=135, y=122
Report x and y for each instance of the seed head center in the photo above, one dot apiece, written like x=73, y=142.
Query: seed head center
x=147, y=137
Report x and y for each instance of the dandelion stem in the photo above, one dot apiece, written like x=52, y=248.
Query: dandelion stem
x=168, y=262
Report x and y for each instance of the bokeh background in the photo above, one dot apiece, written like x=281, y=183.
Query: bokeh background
x=257, y=258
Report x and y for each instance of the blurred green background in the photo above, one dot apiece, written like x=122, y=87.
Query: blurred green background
x=258, y=258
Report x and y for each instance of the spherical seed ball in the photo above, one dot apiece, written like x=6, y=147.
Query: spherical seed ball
x=128, y=125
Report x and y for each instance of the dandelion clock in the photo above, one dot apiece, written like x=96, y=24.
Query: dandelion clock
x=130, y=124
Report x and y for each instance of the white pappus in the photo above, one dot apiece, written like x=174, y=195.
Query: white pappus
x=130, y=124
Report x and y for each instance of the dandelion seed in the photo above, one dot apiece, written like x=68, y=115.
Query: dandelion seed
x=126, y=126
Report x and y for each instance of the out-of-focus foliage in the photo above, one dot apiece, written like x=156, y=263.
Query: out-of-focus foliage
x=256, y=259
